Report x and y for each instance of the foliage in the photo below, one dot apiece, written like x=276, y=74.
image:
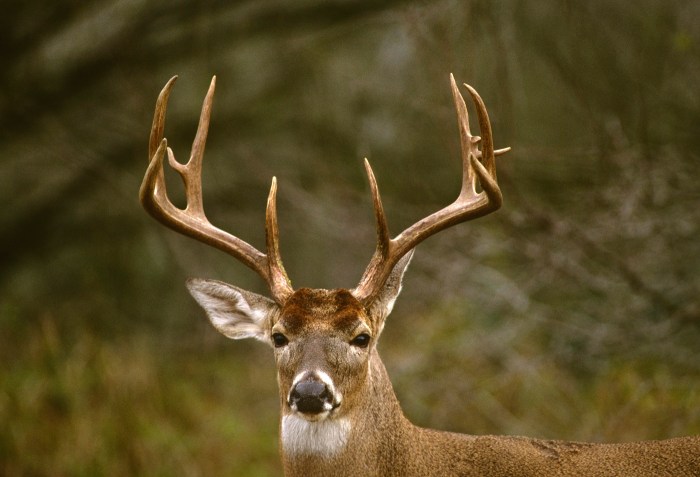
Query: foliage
x=75, y=404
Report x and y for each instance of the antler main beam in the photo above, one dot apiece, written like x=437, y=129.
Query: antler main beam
x=478, y=164
x=478, y=169
x=192, y=221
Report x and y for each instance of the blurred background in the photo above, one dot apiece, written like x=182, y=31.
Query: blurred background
x=572, y=313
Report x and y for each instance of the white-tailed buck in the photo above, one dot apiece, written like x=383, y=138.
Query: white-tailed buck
x=339, y=413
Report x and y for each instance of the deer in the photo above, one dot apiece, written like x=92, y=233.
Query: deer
x=339, y=414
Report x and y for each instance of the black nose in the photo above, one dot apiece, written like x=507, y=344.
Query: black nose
x=311, y=396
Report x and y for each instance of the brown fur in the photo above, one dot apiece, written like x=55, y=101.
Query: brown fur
x=337, y=308
x=384, y=443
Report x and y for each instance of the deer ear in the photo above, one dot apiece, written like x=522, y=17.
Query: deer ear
x=234, y=312
x=384, y=301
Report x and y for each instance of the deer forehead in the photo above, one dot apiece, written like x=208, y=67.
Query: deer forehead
x=316, y=309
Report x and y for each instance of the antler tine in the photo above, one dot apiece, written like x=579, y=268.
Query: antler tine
x=383, y=235
x=157, y=147
x=191, y=173
x=384, y=242
x=192, y=221
x=159, y=117
x=280, y=284
x=478, y=163
x=467, y=141
x=487, y=171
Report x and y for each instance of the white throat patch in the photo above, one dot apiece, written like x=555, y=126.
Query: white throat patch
x=326, y=437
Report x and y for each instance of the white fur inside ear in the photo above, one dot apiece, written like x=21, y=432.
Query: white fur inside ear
x=389, y=304
x=235, y=313
x=326, y=437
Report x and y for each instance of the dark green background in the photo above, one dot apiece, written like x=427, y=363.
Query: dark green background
x=572, y=313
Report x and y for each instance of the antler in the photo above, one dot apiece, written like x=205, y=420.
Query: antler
x=191, y=221
x=477, y=164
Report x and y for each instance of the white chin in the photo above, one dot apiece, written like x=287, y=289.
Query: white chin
x=321, y=436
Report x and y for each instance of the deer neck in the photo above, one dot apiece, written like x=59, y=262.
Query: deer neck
x=358, y=442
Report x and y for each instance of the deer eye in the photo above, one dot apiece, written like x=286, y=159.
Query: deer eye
x=279, y=340
x=361, y=340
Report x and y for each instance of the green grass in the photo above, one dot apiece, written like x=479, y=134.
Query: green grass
x=79, y=405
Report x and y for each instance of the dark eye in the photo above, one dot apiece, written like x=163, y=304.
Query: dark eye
x=279, y=340
x=361, y=340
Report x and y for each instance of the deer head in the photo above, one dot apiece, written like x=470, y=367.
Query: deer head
x=324, y=340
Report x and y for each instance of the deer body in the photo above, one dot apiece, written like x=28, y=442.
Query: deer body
x=385, y=443
x=339, y=413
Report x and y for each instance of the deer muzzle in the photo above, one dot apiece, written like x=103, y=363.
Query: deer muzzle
x=313, y=394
